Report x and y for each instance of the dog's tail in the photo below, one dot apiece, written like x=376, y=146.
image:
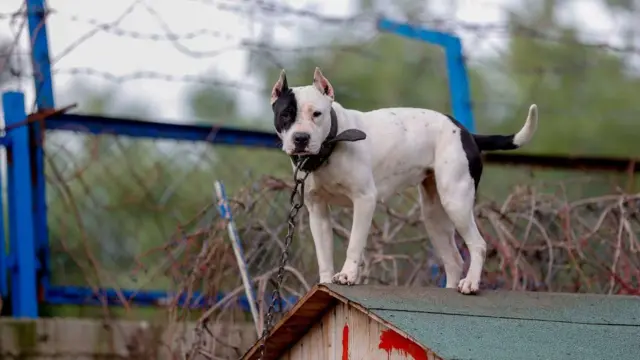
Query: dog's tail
x=510, y=142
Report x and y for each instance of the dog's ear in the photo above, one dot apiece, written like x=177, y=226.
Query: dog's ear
x=322, y=84
x=279, y=87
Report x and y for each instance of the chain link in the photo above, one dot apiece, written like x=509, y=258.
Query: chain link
x=297, y=202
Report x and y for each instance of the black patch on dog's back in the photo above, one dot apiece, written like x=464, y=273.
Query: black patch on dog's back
x=285, y=109
x=471, y=150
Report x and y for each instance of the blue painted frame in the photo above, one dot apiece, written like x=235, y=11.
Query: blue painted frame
x=79, y=295
x=22, y=262
x=28, y=259
x=456, y=68
x=4, y=276
x=144, y=129
x=44, y=99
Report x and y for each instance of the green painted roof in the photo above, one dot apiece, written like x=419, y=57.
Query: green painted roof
x=507, y=325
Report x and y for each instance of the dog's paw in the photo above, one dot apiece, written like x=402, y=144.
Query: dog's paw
x=325, y=279
x=467, y=286
x=345, y=278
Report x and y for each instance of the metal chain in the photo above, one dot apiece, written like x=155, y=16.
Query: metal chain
x=297, y=202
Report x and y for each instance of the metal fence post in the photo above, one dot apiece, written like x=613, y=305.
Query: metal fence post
x=4, y=285
x=36, y=10
x=459, y=83
x=21, y=230
x=456, y=69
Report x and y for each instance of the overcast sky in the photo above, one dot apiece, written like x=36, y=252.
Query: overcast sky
x=108, y=52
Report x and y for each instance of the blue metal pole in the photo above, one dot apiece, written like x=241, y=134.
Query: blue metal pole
x=459, y=83
x=456, y=69
x=4, y=286
x=225, y=213
x=21, y=231
x=4, y=260
x=36, y=10
x=40, y=60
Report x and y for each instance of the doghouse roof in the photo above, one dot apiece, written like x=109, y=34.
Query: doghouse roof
x=492, y=325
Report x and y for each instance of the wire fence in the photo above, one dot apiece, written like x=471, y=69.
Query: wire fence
x=135, y=214
x=164, y=232
x=119, y=222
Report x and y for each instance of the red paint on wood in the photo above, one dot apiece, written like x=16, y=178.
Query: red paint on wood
x=391, y=340
x=345, y=342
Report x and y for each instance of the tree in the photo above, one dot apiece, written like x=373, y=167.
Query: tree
x=586, y=94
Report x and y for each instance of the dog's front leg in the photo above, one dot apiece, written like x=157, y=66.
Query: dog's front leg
x=363, y=208
x=320, y=224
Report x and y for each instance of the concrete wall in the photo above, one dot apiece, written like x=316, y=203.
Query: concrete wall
x=68, y=338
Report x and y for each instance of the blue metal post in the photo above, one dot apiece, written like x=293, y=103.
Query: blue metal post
x=44, y=100
x=459, y=83
x=36, y=10
x=225, y=213
x=4, y=287
x=456, y=69
x=21, y=230
x=4, y=260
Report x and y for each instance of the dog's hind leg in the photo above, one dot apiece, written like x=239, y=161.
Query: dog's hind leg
x=441, y=230
x=457, y=190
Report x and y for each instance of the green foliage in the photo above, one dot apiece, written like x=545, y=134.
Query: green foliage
x=112, y=199
x=372, y=77
x=213, y=105
x=587, y=96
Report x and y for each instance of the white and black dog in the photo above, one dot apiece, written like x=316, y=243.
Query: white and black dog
x=358, y=158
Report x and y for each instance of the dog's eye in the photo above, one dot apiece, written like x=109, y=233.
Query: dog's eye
x=316, y=113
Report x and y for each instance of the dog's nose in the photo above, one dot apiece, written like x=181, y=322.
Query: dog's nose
x=301, y=139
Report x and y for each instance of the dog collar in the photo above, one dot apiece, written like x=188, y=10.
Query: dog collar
x=328, y=145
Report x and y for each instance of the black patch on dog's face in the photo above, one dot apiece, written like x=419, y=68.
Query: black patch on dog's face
x=285, y=109
x=471, y=150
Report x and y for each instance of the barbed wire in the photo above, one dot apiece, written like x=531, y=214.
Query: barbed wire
x=243, y=43
x=279, y=9
x=190, y=35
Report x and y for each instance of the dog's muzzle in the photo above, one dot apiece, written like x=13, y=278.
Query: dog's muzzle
x=313, y=162
x=300, y=141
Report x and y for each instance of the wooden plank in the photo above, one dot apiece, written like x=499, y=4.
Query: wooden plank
x=89, y=338
x=294, y=325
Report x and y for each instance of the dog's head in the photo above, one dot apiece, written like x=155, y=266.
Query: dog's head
x=302, y=115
